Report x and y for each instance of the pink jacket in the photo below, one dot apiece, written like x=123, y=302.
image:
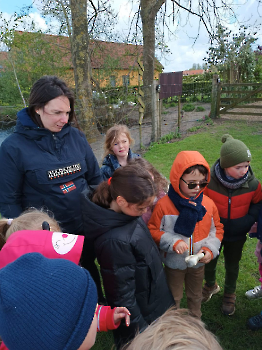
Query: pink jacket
x=52, y=245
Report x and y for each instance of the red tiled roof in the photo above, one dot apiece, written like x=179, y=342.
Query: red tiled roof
x=193, y=72
x=122, y=55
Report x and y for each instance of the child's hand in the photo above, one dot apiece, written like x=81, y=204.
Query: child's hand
x=207, y=257
x=181, y=247
x=122, y=312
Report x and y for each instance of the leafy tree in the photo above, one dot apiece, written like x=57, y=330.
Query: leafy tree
x=196, y=66
x=80, y=20
x=232, y=54
x=258, y=61
x=29, y=57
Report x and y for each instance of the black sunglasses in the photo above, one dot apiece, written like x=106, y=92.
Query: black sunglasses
x=192, y=185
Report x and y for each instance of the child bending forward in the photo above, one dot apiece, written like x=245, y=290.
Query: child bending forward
x=129, y=259
x=186, y=222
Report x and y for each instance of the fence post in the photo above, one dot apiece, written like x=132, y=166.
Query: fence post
x=179, y=114
x=218, y=96
x=213, y=112
x=160, y=106
x=158, y=109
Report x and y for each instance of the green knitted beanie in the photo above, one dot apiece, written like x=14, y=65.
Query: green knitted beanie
x=233, y=152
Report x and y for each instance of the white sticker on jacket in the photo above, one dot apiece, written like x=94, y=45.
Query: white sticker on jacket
x=63, y=242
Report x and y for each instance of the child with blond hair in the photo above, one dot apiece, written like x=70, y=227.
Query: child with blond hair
x=175, y=329
x=117, y=149
x=31, y=219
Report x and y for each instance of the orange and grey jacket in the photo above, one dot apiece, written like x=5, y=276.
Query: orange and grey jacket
x=238, y=208
x=208, y=232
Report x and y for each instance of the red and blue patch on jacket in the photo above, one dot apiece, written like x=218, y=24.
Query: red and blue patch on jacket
x=68, y=187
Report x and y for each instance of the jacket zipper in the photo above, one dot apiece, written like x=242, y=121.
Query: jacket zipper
x=191, y=245
x=56, y=149
x=229, y=204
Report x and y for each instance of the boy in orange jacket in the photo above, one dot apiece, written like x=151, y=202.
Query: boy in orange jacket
x=186, y=222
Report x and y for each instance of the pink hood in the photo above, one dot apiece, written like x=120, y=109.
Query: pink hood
x=52, y=245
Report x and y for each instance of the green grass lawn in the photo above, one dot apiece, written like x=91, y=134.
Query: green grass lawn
x=231, y=331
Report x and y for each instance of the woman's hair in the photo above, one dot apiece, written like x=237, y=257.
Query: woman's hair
x=203, y=170
x=131, y=182
x=113, y=134
x=46, y=89
x=175, y=330
x=30, y=219
x=160, y=181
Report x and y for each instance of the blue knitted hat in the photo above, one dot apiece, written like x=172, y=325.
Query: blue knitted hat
x=45, y=304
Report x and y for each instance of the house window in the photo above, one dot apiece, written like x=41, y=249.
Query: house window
x=112, y=81
x=125, y=80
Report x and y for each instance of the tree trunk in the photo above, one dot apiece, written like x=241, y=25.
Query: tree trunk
x=149, y=10
x=82, y=68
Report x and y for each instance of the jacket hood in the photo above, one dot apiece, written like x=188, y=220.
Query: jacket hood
x=98, y=220
x=184, y=160
x=25, y=119
x=27, y=127
x=52, y=245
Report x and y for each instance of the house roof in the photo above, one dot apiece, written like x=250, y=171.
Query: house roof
x=103, y=53
x=124, y=55
x=193, y=72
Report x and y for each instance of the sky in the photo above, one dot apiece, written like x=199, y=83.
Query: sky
x=184, y=51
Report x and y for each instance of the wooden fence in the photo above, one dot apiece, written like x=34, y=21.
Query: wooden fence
x=245, y=97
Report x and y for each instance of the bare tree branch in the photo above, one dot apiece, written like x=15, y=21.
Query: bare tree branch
x=193, y=13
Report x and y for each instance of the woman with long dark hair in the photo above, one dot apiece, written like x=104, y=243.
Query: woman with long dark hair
x=47, y=163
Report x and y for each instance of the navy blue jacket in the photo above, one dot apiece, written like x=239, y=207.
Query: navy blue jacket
x=110, y=164
x=130, y=265
x=48, y=170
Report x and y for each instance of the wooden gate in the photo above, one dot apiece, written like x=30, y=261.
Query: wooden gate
x=245, y=97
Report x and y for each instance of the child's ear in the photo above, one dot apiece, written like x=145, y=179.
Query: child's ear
x=122, y=203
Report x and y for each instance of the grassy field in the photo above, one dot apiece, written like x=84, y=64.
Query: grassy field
x=231, y=331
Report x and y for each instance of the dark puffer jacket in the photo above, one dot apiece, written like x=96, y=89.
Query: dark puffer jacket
x=130, y=265
x=110, y=164
x=238, y=208
x=44, y=169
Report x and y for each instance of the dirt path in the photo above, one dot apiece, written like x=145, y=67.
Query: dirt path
x=168, y=125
